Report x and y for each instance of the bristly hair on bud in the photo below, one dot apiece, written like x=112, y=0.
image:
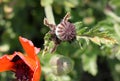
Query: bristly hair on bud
x=64, y=31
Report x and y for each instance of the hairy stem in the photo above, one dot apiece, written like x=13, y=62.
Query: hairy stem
x=49, y=14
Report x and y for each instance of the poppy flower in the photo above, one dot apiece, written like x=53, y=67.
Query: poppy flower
x=25, y=66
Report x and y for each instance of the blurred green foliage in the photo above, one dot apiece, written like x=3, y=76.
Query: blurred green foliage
x=96, y=50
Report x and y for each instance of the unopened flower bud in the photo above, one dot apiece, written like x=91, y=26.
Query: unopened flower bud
x=61, y=65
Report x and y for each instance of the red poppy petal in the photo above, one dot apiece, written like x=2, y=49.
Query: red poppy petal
x=37, y=72
x=5, y=63
x=30, y=62
x=29, y=47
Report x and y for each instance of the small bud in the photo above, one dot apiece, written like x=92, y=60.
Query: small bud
x=61, y=65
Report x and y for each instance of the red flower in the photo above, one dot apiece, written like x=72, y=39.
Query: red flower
x=26, y=67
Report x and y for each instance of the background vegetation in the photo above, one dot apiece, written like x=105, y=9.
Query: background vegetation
x=95, y=54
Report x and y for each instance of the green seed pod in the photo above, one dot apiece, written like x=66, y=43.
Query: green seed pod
x=61, y=65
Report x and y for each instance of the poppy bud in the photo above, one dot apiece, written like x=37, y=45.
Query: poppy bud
x=61, y=65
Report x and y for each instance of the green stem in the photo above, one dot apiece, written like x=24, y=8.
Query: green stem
x=112, y=15
x=49, y=14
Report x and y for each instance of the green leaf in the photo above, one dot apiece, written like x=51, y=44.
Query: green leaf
x=98, y=40
x=79, y=28
x=71, y=3
x=115, y=3
x=78, y=25
x=89, y=64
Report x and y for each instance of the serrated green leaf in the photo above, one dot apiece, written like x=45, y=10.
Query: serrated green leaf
x=82, y=31
x=78, y=25
x=79, y=29
x=96, y=40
